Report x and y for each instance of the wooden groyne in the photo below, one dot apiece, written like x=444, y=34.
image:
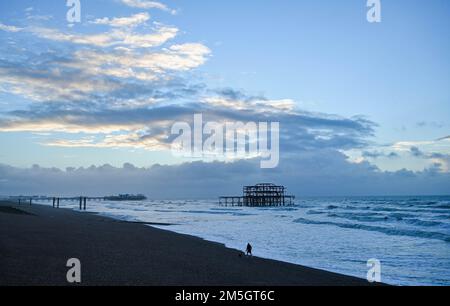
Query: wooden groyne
x=82, y=201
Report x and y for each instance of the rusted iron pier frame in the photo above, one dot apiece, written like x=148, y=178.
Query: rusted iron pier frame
x=260, y=195
x=266, y=201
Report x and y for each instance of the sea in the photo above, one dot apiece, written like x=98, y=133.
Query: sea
x=409, y=236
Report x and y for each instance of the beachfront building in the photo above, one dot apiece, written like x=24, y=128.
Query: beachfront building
x=260, y=195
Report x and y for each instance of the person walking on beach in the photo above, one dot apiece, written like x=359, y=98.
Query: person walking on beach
x=249, y=249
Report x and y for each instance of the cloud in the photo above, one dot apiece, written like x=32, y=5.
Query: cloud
x=147, y=66
x=131, y=21
x=89, y=73
x=260, y=105
x=415, y=151
x=149, y=127
x=115, y=54
x=406, y=145
x=119, y=37
x=36, y=17
x=443, y=138
x=10, y=28
x=378, y=154
x=304, y=175
x=441, y=160
x=393, y=155
x=431, y=124
x=426, y=153
x=132, y=97
x=43, y=81
x=122, y=35
x=146, y=4
x=147, y=141
x=125, y=87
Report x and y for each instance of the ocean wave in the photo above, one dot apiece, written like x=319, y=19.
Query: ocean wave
x=423, y=222
x=443, y=206
x=386, y=209
x=315, y=212
x=215, y=212
x=164, y=210
x=384, y=230
x=362, y=217
x=442, y=217
x=227, y=209
x=400, y=216
x=431, y=210
x=280, y=208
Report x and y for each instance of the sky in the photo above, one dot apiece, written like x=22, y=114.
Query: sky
x=363, y=107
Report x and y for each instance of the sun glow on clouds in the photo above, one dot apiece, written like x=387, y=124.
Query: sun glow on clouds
x=261, y=105
x=9, y=28
x=117, y=37
x=148, y=4
x=133, y=140
x=143, y=66
x=123, y=21
x=123, y=52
